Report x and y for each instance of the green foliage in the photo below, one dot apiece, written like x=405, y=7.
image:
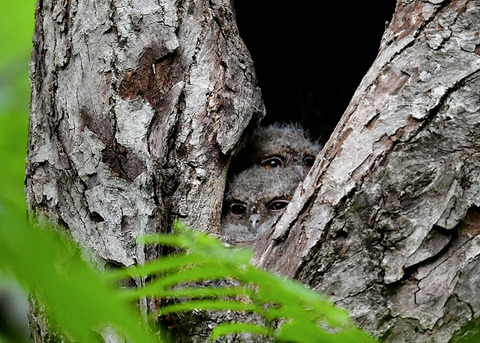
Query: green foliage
x=77, y=297
x=292, y=312
x=16, y=30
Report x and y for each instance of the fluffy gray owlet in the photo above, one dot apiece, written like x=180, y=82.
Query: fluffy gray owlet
x=282, y=145
x=255, y=199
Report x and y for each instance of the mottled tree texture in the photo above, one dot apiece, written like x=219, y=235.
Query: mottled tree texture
x=136, y=109
x=387, y=223
x=279, y=157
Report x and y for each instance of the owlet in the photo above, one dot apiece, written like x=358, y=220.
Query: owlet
x=282, y=145
x=255, y=199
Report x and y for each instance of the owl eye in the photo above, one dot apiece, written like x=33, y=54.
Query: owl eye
x=272, y=162
x=308, y=161
x=238, y=208
x=277, y=205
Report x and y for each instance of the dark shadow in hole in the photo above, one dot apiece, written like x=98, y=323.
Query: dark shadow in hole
x=310, y=56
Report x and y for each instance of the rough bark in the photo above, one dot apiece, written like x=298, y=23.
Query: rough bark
x=387, y=222
x=136, y=109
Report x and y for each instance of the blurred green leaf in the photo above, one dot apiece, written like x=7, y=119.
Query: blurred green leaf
x=75, y=294
x=16, y=29
x=208, y=305
x=171, y=262
x=13, y=145
x=233, y=328
x=202, y=292
x=201, y=272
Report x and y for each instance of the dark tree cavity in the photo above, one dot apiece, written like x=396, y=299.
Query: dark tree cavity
x=310, y=56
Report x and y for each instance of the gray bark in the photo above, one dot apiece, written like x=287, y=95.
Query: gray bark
x=387, y=222
x=137, y=109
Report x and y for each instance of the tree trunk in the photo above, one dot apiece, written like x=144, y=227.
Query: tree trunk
x=135, y=113
x=387, y=222
x=137, y=109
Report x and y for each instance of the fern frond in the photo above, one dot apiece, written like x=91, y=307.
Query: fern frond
x=292, y=312
x=158, y=266
x=217, y=305
x=235, y=328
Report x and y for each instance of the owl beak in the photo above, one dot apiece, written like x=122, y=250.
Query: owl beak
x=300, y=170
x=254, y=220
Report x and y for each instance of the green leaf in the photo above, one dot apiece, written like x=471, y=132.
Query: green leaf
x=188, y=292
x=198, y=273
x=204, y=245
x=16, y=29
x=203, y=292
x=296, y=299
x=216, y=305
x=158, y=266
x=234, y=328
x=77, y=299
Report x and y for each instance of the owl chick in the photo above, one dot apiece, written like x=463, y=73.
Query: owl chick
x=282, y=145
x=255, y=199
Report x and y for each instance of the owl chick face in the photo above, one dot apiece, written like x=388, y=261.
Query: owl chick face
x=283, y=146
x=255, y=199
